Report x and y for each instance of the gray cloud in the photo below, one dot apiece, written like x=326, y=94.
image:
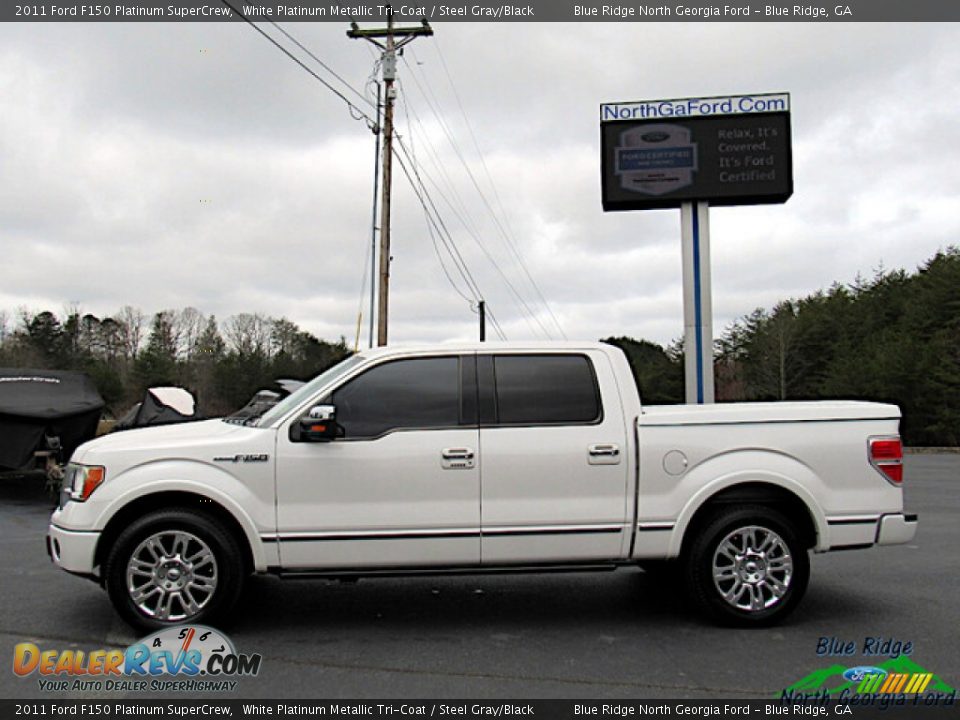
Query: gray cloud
x=170, y=165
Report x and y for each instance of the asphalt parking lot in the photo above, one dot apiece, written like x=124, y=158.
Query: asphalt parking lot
x=577, y=635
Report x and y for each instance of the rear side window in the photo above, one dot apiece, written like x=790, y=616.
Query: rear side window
x=401, y=394
x=545, y=390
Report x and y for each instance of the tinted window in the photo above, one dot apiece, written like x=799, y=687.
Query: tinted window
x=301, y=394
x=545, y=389
x=415, y=393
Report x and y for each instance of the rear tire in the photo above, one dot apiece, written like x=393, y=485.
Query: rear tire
x=747, y=567
x=172, y=567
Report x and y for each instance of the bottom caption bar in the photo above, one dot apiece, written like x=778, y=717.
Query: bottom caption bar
x=890, y=708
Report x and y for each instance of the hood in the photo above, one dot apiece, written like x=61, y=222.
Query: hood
x=187, y=440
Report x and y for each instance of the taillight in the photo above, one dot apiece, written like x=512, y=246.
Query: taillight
x=886, y=455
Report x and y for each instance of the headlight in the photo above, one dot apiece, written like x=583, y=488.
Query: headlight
x=82, y=480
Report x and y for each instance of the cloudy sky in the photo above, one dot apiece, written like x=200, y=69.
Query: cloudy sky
x=173, y=165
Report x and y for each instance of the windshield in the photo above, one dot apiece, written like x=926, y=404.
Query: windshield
x=304, y=393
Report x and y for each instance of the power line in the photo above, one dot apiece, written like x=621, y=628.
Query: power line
x=458, y=208
x=435, y=221
x=306, y=50
x=433, y=214
x=326, y=67
x=504, y=233
x=434, y=106
x=507, y=233
x=431, y=230
x=430, y=224
x=435, y=225
x=513, y=290
x=415, y=163
x=495, y=323
x=353, y=108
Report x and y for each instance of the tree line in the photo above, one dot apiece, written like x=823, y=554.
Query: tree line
x=222, y=363
x=893, y=338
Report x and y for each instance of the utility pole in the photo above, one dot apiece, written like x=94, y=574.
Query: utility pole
x=389, y=67
x=373, y=218
x=482, y=307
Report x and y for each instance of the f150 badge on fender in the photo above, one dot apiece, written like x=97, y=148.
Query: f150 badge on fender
x=263, y=457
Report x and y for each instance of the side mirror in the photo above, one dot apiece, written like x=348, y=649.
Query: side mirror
x=319, y=425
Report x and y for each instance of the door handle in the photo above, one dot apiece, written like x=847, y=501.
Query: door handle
x=603, y=454
x=457, y=458
x=603, y=450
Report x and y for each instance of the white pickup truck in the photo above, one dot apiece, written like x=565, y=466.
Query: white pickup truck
x=480, y=458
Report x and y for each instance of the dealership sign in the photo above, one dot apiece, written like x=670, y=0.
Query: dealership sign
x=722, y=150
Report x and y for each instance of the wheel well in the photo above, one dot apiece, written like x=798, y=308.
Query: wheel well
x=164, y=500
x=783, y=500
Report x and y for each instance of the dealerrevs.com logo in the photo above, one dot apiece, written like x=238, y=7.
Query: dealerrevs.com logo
x=188, y=658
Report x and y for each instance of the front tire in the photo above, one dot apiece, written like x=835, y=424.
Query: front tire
x=172, y=567
x=747, y=567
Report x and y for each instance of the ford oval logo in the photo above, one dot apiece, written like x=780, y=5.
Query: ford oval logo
x=655, y=136
x=856, y=674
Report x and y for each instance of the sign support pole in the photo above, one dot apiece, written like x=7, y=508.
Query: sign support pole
x=697, y=302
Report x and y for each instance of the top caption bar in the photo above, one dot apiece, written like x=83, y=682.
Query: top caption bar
x=481, y=11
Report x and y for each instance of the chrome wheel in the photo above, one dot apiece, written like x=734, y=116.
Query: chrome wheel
x=752, y=568
x=171, y=575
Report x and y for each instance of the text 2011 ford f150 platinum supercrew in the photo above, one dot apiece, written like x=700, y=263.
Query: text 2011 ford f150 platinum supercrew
x=475, y=458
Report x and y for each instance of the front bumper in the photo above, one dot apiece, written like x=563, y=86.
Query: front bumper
x=73, y=550
x=896, y=529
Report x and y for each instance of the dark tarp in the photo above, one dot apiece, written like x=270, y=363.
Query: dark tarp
x=157, y=408
x=258, y=405
x=263, y=400
x=39, y=403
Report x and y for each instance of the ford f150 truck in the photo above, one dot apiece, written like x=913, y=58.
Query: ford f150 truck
x=479, y=458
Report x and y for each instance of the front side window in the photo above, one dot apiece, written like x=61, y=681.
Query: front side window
x=545, y=390
x=401, y=394
x=299, y=395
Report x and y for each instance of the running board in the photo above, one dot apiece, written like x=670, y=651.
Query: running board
x=334, y=574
